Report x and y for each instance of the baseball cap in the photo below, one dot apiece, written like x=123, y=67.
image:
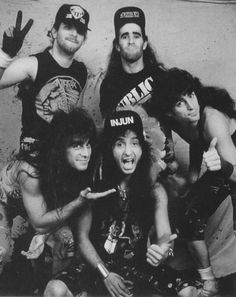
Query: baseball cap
x=73, y=14
x=129, y=14
x=120, y=121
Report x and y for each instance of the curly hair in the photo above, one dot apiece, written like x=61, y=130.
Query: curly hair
x=59, y=182
x=176, y=82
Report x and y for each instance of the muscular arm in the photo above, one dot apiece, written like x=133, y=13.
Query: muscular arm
x=217, y=125
x=19, y=70
x=42, y=220
x=161, y=218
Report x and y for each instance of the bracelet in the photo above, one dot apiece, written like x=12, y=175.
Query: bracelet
x=103, y=270
x=5, y=59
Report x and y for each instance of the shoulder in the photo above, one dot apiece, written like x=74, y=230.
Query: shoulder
x=212, y=116
x=26, y=171
x=215, y=123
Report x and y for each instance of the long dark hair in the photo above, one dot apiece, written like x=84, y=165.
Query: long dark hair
x=139, y=184
x=176, y=82
x=59, y=182
x=114, y=64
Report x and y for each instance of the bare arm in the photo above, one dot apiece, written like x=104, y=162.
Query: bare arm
x=86, y=248
x=42, y=220
x=158, y=252
x=161, y=218
x=12, y=41
x=217, y=125
x=19, y=70
x=114, y=283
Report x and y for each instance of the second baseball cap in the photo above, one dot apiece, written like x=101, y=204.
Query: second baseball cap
x=129, y=14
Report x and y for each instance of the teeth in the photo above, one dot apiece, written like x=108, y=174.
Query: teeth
x=128, y=161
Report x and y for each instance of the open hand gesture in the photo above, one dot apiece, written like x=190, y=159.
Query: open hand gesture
x=13, y=37
x=89, y=195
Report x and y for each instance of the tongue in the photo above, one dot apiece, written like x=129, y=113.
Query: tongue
x=128, y=164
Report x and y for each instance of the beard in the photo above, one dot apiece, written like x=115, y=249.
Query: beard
x=132, y=57
x=68, y=47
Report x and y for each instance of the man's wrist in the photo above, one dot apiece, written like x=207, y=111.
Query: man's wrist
x=103, y=271
x=226, y=169
x=5, y=59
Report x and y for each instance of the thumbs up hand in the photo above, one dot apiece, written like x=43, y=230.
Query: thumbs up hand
x=211, y=158
x=157, y=253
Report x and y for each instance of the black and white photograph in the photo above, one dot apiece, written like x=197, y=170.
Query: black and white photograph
x=118, y=148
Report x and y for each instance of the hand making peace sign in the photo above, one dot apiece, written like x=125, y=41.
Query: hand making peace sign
x=13, y=37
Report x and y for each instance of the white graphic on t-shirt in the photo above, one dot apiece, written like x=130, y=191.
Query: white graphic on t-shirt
x=138, y=95
x=59, y=93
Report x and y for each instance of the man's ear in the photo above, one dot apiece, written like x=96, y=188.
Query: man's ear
x=54, y=33
x=117, y=47
x=145, y=45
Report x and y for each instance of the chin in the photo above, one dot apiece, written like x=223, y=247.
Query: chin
x=81, y=168
x=128, y=171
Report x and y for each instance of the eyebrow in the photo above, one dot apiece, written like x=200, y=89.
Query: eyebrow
x=133, y=32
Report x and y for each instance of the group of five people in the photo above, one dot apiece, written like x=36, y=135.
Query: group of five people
x=101, y=196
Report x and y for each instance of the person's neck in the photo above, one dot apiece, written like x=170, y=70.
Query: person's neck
x=62, y=58
x=133, y=67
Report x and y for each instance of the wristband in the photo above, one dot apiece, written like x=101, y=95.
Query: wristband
x=206, y=273
x=5, y=59
x=103, y=270
x=226, y=169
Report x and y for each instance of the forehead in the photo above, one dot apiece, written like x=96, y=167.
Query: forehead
x=127, y=134
x=79, y=139
x=130, y=28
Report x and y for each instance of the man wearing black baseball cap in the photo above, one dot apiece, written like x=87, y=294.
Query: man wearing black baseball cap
x=133, y=67
x=73, y=14
x=50, y=81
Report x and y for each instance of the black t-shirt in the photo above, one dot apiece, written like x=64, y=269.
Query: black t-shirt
x=54, y=86
x=119, y=231
x=122, y=89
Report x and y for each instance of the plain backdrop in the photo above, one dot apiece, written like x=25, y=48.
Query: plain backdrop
x=198, y=36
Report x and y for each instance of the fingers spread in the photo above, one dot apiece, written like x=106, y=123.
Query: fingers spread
x=27, y=27
x=18, y=20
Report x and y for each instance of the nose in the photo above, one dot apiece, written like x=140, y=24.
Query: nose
x=131, y=39
x=74, y=31
x=84, y=151
x=189, y=103
x=128, y=150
